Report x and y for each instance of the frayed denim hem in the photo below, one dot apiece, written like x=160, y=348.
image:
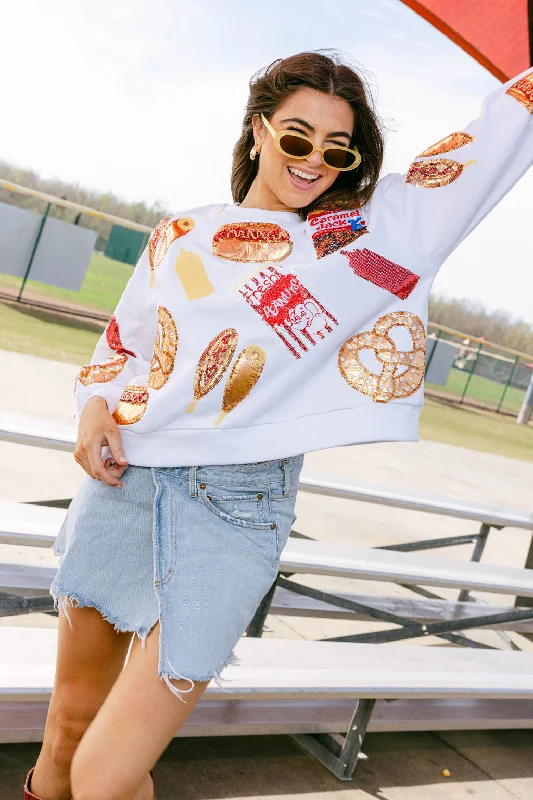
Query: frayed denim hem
x=215, y=676
x=64, y=599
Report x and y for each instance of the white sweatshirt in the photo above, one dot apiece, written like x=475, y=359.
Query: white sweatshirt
x=245, y=335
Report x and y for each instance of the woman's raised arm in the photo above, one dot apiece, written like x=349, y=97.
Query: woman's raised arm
x=453, y=184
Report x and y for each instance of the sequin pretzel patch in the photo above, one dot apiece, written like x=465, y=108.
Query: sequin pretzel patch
x=289, y=308
x=402, y=372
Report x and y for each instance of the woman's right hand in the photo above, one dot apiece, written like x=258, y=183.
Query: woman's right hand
x=98, y=428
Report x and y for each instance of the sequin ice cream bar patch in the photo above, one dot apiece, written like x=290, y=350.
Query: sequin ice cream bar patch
x=331, y=230
x=382, y=272
x=522, y=91
x=252, y=242
x=288, y=308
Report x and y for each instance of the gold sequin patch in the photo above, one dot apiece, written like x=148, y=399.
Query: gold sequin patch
x=402, y=372
x=243, y=376
x=522, y=91
x=435, y=172
x=166, y=345
x=213, y=363
x=452, y=142
x=252, y=242
x=192, y=275
x=132, y=405
x=162, y=237
x=104, y=372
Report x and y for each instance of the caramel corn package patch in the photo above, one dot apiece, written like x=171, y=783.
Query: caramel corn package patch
x=331, y=230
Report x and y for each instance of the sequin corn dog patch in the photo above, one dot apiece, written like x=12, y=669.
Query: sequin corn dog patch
x=331, y=230
x=289, y=308
x=252, y=242
x=522, y=91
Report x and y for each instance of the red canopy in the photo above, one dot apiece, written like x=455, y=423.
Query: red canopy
x=497, y=33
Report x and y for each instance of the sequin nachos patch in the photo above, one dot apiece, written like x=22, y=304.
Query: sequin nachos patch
x=165, y=347
x=213, y=363
x=244, y=374
x=252, y=242
x=331, y=230
x=435, y=172
x=132, y=405
x=290, y=309
x=382, y=272
x=163, y=235
x=451, y=142
x=522, y=91
x=402, y=371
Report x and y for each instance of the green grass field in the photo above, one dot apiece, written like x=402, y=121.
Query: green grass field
x=481, y=390
x=53, y=336
x=104, y=283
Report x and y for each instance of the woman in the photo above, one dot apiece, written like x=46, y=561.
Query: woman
x=292, y=319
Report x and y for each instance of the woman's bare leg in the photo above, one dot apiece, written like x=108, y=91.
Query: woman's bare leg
x=135, y=724
x=90, y=657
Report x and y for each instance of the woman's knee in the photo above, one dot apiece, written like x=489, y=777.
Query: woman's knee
x=89, y=781
x=69, y=717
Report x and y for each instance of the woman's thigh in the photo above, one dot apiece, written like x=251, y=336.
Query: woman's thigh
x=90, y=657
x=133, y=727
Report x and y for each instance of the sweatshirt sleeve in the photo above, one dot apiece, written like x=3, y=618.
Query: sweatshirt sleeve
x=452, y=185
x=124, y=350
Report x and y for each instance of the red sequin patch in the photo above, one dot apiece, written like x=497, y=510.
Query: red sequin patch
x=331, y=230
x=382, y=272
x=289, y=308
x=112, y=334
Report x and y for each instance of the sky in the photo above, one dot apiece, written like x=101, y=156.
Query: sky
x=144, y=98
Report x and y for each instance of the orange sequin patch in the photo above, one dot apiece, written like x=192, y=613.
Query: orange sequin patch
x=102, y=373
x=213, y=363
x=243, y=376
x=435, y=172
x=402, y=372
x=252, y=242
x=452, y=142
x=132, y=405
x=522, y=91
x=166, y=345
x=162, y=237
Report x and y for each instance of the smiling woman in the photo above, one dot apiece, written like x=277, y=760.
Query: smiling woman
x=316, y=108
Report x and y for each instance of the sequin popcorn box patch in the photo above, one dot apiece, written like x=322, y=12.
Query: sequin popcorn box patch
x=331, y=230
x=289, y=308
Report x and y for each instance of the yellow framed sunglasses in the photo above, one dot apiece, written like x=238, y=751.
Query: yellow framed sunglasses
x=297, y=145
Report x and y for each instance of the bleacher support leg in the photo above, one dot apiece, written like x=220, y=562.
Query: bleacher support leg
x=341, y=760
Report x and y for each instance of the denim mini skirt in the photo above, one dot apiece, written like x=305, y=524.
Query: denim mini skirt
x=196, y=548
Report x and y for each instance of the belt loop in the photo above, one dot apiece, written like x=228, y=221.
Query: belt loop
x=287, y=474
x=192, y=481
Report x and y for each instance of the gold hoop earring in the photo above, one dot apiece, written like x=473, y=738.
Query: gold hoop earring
x=253, y=153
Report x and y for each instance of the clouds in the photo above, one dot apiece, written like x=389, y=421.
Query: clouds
x=146, y=99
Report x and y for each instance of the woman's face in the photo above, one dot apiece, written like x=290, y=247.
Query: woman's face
x=326, y=120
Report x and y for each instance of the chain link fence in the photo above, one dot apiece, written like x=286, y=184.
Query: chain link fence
x=483, y=374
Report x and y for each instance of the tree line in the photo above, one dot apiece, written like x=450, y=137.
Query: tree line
x=103, y=201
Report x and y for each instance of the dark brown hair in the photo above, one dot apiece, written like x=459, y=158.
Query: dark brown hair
x=326, y=72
